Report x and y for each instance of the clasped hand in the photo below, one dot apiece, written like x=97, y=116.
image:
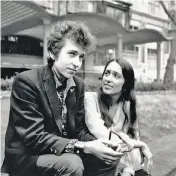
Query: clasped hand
x=102, y=149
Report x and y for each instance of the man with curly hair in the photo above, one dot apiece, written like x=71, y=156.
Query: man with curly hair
x=46, y=126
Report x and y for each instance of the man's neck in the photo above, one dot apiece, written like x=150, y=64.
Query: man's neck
x=59, y=76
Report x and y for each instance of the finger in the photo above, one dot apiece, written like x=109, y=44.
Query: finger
x=111, y=163
x=125, y=149
x=123, y=144
x=118, y=148
x=110, y=143
x=111, y=158
x=149, y=165
x=108, y=163
x=110, y=152
x=113, y=153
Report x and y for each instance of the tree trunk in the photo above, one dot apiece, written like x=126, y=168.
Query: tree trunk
x=169, y=73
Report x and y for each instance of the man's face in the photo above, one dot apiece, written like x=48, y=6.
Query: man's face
x=69, y=59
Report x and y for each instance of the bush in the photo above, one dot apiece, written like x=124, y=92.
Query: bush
x=93, y=85
x=140, y=86
x=6, y=84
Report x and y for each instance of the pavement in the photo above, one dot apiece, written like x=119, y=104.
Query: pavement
x=4, y=94
x=164, y=158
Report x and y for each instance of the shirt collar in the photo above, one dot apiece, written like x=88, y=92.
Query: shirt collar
x=69, y=82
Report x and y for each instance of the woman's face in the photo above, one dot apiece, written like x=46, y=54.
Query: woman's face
x=113, y=79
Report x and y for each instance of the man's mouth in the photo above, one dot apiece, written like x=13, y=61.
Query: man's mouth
x=73, y=70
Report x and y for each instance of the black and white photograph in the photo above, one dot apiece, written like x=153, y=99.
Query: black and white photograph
x=88, y=88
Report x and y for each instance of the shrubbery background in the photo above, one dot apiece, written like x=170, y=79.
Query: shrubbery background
x=94, y=84
x=6, y=84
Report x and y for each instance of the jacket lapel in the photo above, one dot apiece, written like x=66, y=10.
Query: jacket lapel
x=71, y=110
x=50, y=88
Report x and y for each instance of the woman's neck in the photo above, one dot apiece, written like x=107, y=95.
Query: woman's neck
x=114, y=98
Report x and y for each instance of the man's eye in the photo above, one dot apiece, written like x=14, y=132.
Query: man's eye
x=81, y=58
x=72, y=54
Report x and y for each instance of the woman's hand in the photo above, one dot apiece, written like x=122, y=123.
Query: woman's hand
x=102, y=149
x=147, y=153
x=125, y=139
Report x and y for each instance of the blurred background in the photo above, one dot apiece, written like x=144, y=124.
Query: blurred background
x=142, y=32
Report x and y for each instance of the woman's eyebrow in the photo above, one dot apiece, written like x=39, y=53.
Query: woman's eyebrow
x=116, y=72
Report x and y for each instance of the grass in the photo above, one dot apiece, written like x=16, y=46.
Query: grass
x=157, y=122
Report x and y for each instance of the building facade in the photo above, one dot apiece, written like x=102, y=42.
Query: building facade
x=130, y=14
x=133, y=15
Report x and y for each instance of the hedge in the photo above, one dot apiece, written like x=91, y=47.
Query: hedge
x=94, y=84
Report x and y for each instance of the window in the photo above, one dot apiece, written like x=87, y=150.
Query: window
x=166, y=47
x=152, y=51
x=153, y=7
x=12, y=39
x=110, y=12
x=133, y=28
x=172, y=3
x=90, y=7
x=132, y=48
x=2, y=38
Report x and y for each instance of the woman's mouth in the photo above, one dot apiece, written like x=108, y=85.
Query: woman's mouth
x=108, y=86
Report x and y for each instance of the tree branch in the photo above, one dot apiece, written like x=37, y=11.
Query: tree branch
x=167, y=12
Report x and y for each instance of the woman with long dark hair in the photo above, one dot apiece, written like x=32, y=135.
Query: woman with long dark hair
x=113, y=109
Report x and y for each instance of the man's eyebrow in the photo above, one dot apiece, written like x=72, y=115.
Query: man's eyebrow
x=74, y=51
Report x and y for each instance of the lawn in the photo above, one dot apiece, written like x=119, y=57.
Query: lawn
x=157, y=122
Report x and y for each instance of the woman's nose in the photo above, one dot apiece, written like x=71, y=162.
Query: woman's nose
x=109, y=78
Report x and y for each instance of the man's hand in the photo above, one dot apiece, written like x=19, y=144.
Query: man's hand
x=126, y=174
x=102, y=149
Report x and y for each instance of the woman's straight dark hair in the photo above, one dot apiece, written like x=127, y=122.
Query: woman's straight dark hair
x=127, y=94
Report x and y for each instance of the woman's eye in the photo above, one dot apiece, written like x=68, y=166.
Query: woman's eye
x=106, y=73
x=116, y=75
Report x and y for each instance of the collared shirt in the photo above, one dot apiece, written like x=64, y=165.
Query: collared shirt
x=62, y=94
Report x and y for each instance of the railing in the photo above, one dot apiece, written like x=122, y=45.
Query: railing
x=22, y=45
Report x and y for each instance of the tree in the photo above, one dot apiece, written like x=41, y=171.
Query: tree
x=169, y=73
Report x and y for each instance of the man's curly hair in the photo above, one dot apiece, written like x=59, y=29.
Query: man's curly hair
x=74, y=30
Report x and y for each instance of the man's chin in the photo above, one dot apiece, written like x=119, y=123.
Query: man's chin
x=68, y=76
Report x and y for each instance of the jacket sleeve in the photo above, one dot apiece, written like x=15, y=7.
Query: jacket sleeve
x=28, y=121
x=82, y=130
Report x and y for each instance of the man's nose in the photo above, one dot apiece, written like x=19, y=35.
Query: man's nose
x=76, y=61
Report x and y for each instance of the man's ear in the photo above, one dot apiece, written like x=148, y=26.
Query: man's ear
x=51, y=56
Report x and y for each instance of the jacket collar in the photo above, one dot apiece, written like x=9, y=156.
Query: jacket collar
x=55, y=104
